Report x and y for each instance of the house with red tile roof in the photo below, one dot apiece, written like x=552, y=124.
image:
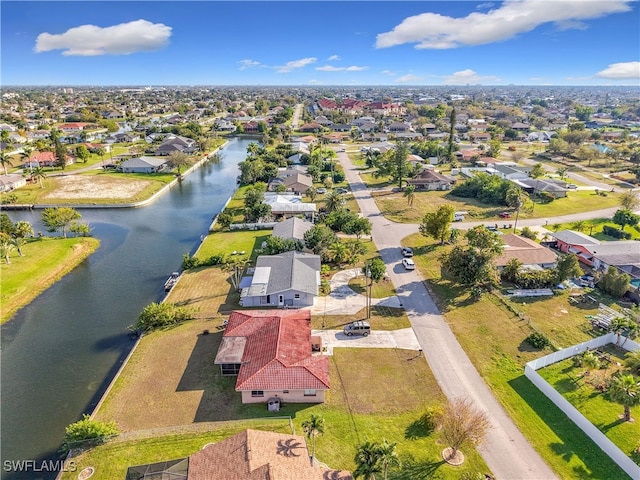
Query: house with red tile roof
x=271, y=353
x=248, y=455
x=72, y=127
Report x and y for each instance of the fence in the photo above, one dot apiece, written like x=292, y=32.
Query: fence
x=599, y=438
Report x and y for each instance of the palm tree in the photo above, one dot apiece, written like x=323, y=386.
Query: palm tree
x=333, y=201
x=632, y=361
x=410, y=193
x=26, y=153
x=367, y=461
x=21, y=231
x=6, y=246
x=388, y=456
x=625, y=390
x=313, y=427
x=39, y=173
x=579, y=225
x=5, y=160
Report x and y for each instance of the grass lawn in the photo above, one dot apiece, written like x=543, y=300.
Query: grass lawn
x=595, y=226
x=493, y=338
x=225, y=243
x=111, y=460
x=379, y=289
x=368, y=400
x=579, y=390
x=382, y=318
x=396, y=208
x=45, y=261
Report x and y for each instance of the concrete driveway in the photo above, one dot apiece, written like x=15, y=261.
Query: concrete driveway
x=404, y=338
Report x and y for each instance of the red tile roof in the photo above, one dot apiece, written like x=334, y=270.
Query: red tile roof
x=277, y=352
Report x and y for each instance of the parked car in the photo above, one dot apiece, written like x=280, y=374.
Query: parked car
x=572, y=186
x=407, y=252
x=342, y=190
x=458, y=217
x=408, y=264
x=321, y=190
x=504, y=215
x=359, y=327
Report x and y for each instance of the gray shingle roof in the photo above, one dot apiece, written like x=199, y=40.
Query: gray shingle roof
x=288, y=271
x=572, y=237
x=293, y=227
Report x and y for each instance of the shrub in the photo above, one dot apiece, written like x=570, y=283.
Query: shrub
x=528, y=233
x=189, y=262
x=160, y=315
x=87, y=430
x=538, y=340
x=615, y=233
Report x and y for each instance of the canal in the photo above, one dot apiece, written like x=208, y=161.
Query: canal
x=60, y=352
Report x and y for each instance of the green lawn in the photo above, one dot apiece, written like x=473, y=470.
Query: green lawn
x=44, y=262
x=595, y=226
x=368, y=400
x=579, y=390
x=396, y=207
x=225, y=243
x=493, y=338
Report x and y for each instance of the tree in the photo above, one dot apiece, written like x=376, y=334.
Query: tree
x=358, y=226
x=86, y=430
x=375, y=269
x=388, y=456
x=624, y=217
x=312, y=193
x=484, y=240
x=101, y=151
x=436, y=224
x=462, y=422
x=367, y=461
x=6, y=246
x=614, y=283
x=629, y=201
x=495, y=147
x=318, y=239
x=82, y=152
x=537, y=171
x=452, y=127
x=333, y=201
x=60, y=153
x=313, y=427
x=410, y=194
x=625, y=390
x=161, y=315
x=632, y=361
x=562, y=172
x=276, y=245
x=178, y=160
x=59, y=218
x=5, y=160
x=400, y=163
x=40, y=174
x=567, y=266
x=21, y=231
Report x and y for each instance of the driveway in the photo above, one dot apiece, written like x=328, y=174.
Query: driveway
x=506, y=451
x=404, y=338
x=343, y=300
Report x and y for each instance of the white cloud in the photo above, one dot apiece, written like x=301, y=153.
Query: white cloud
x=621, y=71
x=295, y=64
x=331, y=68
x=468, y=76
x=435, y=31
x=388, y=72
x=121, y=39
x=333, y=58
x=407, y=78
x=248, y=63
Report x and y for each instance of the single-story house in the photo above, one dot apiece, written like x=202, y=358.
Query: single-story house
x=537, y=185
x=288, y=205
x=248, y=455
x=144, y=164
x=176, y=143
x=292, y=228
x=294, y=180
x=531, y=254
x=11, y=182
x=289, y=279
x=622, y=254
x=44, y=159
x=578, y=243
x=428, y=179
x=272, y=354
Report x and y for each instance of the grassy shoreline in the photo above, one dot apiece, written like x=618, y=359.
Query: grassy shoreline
x=45, y=261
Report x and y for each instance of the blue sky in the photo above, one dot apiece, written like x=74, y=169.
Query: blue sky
x=522, y=42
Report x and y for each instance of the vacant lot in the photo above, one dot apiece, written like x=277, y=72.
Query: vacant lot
x=93, y=187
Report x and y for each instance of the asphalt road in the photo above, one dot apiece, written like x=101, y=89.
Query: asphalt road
x=506, y=451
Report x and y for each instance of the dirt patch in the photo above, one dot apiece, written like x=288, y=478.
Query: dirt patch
x=80, y=186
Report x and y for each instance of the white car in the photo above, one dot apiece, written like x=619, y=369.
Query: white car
x=408, y=264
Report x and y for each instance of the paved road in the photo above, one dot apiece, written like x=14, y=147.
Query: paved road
x=507, y=453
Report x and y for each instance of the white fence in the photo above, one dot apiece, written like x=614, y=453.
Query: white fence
x=585, y=425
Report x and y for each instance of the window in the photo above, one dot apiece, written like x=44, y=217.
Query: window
x=230, y=368
x=285, y=391
x=296, y=296
x=257, y=393
x=309, y=393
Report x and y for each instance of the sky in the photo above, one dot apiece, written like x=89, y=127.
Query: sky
x=147, y=43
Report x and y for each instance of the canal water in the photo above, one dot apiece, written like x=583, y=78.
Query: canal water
x=60, y=352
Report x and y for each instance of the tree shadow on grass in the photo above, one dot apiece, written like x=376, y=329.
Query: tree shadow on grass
x=573, y=441
x=416, y=430
x=413, y=469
